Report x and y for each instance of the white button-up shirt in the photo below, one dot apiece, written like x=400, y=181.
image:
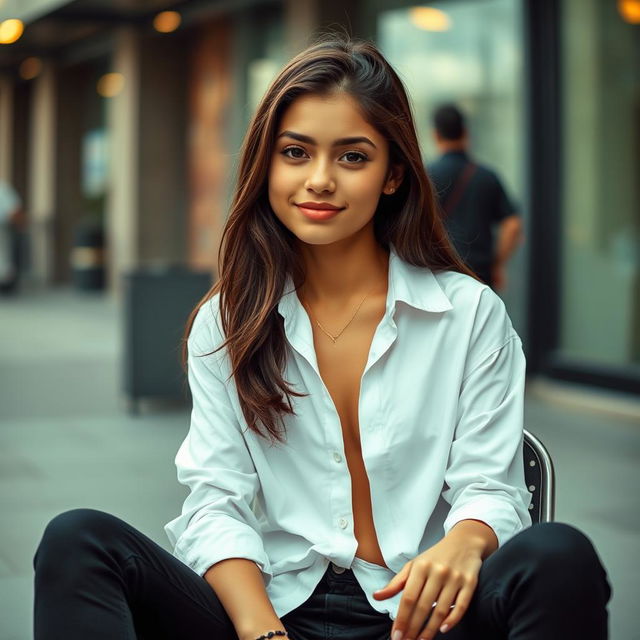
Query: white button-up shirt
x=441, y=431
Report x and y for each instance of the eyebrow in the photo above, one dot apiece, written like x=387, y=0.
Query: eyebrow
x=337, y=143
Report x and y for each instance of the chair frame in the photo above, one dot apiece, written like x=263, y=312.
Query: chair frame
x=536, y=455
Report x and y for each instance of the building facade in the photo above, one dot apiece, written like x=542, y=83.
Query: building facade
x=108, y=115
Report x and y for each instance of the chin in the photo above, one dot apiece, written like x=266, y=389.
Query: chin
x=321, y=237
x=322, y=233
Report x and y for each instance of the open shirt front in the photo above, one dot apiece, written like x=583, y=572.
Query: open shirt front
x=441, y=431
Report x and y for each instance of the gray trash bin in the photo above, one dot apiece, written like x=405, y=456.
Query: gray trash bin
x=157, y=303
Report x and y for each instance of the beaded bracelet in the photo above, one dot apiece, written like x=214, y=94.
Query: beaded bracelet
x=271, y=634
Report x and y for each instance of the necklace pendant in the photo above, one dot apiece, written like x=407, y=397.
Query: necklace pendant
x=329, y=335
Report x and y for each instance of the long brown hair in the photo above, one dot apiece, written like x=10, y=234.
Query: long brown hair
x=258, y=252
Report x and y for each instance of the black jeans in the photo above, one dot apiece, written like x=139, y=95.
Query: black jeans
x=97, y=577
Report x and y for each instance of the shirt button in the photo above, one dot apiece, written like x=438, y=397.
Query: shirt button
x=342, y=523
x=337, y=569
x=337, y=457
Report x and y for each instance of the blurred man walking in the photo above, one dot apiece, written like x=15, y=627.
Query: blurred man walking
x=473, y=202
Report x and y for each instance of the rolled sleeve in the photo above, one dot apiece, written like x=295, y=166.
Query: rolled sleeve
x=217, y=521
x=484, y=479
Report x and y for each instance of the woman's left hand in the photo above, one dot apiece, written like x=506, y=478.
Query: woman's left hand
x=446, y=574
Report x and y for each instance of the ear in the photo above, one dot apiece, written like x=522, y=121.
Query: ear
x=394, y=179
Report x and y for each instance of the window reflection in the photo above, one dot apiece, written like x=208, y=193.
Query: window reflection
x=471, y=53
x=600, y=307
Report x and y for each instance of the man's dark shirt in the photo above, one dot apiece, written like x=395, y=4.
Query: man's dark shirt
x=482, y=204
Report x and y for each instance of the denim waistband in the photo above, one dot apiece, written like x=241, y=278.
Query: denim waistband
x=338, y=609
x=344, y=583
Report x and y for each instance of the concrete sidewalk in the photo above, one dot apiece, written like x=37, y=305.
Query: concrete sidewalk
x=67, y=441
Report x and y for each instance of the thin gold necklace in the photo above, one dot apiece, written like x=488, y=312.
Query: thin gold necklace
x=332, y=337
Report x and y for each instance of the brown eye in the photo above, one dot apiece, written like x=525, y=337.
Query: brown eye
x=355, y=157
x=293, y=152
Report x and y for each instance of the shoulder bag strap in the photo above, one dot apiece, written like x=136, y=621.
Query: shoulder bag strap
x=459, y=188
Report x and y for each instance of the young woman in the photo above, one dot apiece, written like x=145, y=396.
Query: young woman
x=355, y=448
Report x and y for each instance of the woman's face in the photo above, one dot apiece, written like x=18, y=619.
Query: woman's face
x=328, y=170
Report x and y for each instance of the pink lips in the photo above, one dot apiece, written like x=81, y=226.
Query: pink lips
x=319, y=210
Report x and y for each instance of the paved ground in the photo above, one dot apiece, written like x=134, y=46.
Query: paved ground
x=67, y=441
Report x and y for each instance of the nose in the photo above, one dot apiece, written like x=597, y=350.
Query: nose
x=320, y=178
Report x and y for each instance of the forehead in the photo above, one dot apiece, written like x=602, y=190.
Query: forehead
x=327, y=118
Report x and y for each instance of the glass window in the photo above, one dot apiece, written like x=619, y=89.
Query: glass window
x=600, y=303
x=468, y=52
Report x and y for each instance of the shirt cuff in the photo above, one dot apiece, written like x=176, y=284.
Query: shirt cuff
x=206, y=542
x=497, y=514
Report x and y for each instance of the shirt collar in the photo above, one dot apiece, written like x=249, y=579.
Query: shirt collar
x=458, y=153
x=415, y=286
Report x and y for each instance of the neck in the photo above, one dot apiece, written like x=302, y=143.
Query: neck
x=338, y=272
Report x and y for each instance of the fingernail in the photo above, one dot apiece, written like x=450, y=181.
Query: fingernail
x=444, y=628
x=397, y=635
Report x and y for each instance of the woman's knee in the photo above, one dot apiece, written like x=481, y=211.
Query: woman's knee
x=560, y=552
x=556, y=542
x=70, y=531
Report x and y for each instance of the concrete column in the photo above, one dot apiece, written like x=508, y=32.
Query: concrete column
x=162, y=193
x=42, y=173
x=74, y=83
x=301, y=20
x=305, y=18
x=123, y=120
x=6, y=130
x=211, y=88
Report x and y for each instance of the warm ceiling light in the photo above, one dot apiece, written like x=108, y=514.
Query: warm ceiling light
x=30, y=68
x=110, y=85
x=10, y=30
x=429, y=19
x=629, y=10
x=167, y=21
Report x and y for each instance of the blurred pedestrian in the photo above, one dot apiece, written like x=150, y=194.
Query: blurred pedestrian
x=473, y=201
x=10, y=220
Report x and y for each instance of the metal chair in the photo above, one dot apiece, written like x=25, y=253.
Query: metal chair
x=540, y=478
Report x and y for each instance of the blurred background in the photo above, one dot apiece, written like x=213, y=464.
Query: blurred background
x=120, y=125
